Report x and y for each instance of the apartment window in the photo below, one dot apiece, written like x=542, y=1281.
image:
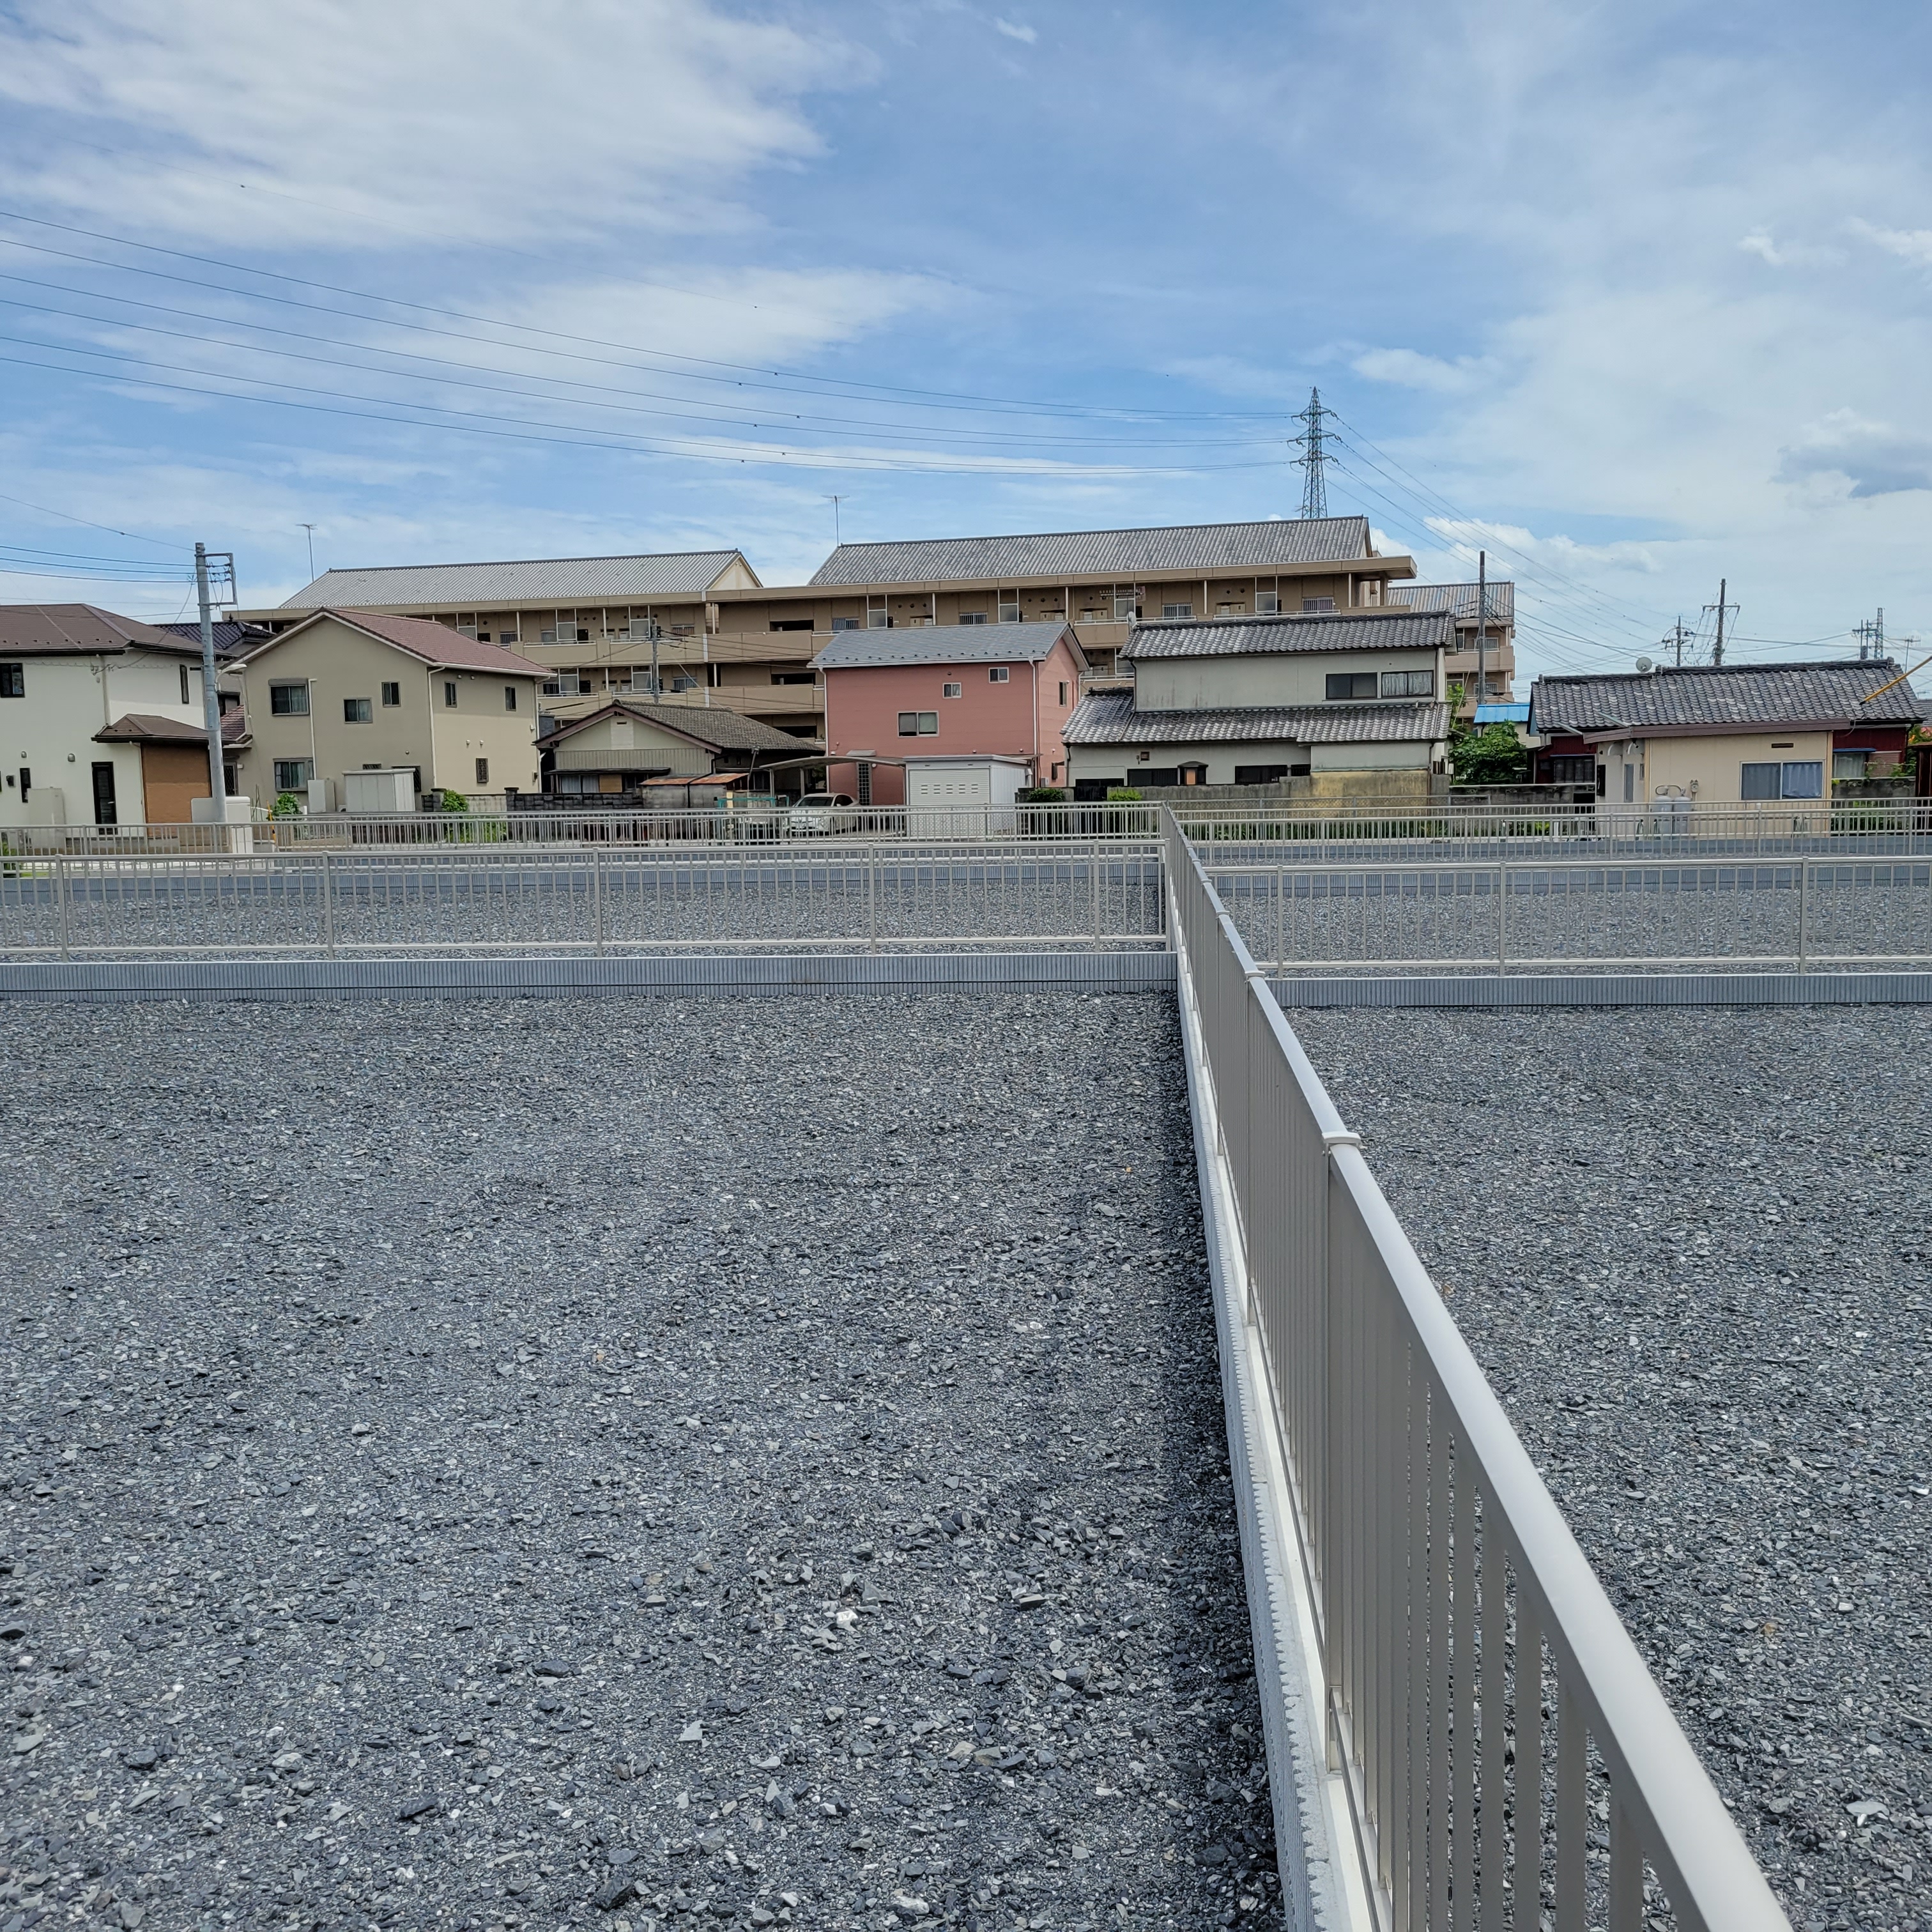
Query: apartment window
x=293, y=774
x=852, y=623
x=13, y=680
x=1062, y=691
x=1010, y=614
x=972, y=616
x=482, y=771
x=919, y=724
x=1799, y=778
x=999, y=674
x=1267, y=604
x=1176, y=610
x=183, y=670
x=1126, y=609
x=288, y=700
x=357, y=711
x=1318, y=607
x=1231, y=610
x=392, y=695
x=1351, y=684
x=449, y=694
x=1408, y=684
x=952, y=691
x=791, y=623
x=793, y=677
x=565, y=684
x=509, y=698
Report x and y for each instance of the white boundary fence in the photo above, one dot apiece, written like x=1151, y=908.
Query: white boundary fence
x=1496, y=1755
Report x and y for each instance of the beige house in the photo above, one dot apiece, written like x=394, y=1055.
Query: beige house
x=1333, y=706
x=1481, y=657
x=625, y=750
x=343, y=692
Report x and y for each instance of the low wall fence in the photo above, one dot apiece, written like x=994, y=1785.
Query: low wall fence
x=1504, y=1757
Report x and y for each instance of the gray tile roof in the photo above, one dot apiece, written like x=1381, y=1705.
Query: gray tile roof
x=1733, y=698
x=710, y=725
x=946, y=643
x=1459, y=598
x=1259, y=637
x=564, y=580
x=1239, y=547
x=1109, y=718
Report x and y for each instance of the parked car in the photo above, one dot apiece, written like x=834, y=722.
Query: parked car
x=819, y=813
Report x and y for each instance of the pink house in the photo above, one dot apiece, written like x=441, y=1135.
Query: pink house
x=959, y=691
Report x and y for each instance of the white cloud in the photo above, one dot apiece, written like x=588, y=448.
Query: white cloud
x=1875, y=459
x=1909, y=244
x=364, y=123
x=1013, y=32
x=1463, y=539
x=1411, y=369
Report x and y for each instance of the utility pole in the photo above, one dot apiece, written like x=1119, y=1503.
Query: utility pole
x=1870, y=635
x=1482, y=619
x=211, y=698
x=1720, y=607
x=311, y=529
x=1314, y=455
x=1676, y=636
x=834, y=501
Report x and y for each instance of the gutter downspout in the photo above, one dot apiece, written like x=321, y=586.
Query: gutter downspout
x=1035, y=721
x=429, y=693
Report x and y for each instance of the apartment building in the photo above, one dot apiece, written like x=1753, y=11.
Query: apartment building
x=1482, y=656
x=1331, y=705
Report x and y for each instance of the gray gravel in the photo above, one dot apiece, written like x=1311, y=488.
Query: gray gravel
x=500, y=1465
x=1691, y=1248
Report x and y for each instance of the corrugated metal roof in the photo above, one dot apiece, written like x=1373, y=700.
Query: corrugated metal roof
x=946, y=643
x=1263, y=637
x=707, y=725
x=1109, y=718
x=562, y=581
x=1727, y=698
x=63, y=630
x=1459, y=598
x=1240, y=547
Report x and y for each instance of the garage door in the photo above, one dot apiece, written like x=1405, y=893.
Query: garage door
x=172, y=777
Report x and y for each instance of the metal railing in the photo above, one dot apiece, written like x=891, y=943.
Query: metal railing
x=507, y=899
x=1799, y=914
x=1505, y=1752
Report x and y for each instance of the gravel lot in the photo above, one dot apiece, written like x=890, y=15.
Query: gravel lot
x=538, y=902
x=1691, y=1248
x=502, y=1465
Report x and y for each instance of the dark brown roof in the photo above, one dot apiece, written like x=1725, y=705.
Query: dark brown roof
x=1831, y=695
x=147, y=727
x=711, y=726
x=1111, y=718
x=1255, y=637
x=435, y=644
x=80, y=630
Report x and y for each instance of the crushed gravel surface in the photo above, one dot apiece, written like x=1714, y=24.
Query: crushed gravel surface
x=503, y=1464
x=1693, y=1250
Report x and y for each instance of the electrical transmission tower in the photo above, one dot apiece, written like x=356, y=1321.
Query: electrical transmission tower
x=1870, y=635
x=1314, y=455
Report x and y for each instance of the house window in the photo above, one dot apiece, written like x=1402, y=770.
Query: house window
x=392, y=694
x=288, y=700
x=1569, y=770
x=1408, y=684
x=13, y=680
x=1850, y=764
x=1176, y=610
x=1259, y=774
x=1062, y=692
x=482, y=771
x=293, y=774
x=972, y=616
x=1346, y=684
x=919, y=724
x=1804, y=778
x=509, y=698
x=999, y=674
x=357, y=711
x=1158, y=777
x=449, y=693
x=952, y=691
x=1318, y=607
x=105, y=812
x=183, y=670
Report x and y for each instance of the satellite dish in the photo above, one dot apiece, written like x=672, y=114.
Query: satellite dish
x=1644, y=664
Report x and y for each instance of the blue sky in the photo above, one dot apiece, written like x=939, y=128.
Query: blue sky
x=1635, y=296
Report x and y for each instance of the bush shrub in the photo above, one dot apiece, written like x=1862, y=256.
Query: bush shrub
x=1123, y=795
x=287, y=806
x=1043, y=795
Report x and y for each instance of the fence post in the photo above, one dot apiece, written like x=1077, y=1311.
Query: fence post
x=1502, y=921
x=1803, y=914
x=1094, y=862
x=872, y=895
x=61, y=890
x=597, y=893
x=1280, y=917
x=328, y=908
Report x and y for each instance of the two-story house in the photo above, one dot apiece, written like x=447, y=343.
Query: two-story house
x=1349, y=704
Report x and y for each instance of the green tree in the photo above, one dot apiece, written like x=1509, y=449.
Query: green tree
x=1491, y=755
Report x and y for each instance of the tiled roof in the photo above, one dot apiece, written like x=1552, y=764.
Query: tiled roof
x=1727, y=697
x=149, y=727
x=1239, y=547
x=1109, y=718
x=946, y=643
x=230, y=635
x=60, y=630
x=423, y=637
x=1255, y=637
x=1459, y=598
x=540, y=580
x=709, y=725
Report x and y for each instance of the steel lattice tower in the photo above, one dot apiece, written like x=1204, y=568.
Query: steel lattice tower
x=1314, y=455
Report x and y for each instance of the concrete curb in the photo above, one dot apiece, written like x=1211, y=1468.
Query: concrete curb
x=682, y=976
x=1608, y=989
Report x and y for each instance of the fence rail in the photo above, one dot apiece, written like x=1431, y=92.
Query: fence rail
x=1507, y=1759
x=1803, y=913
x=874, y=897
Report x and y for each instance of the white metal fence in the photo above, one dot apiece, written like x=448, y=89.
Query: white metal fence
x=510, y=899
x=1799, y=913
x=1508, y=1761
